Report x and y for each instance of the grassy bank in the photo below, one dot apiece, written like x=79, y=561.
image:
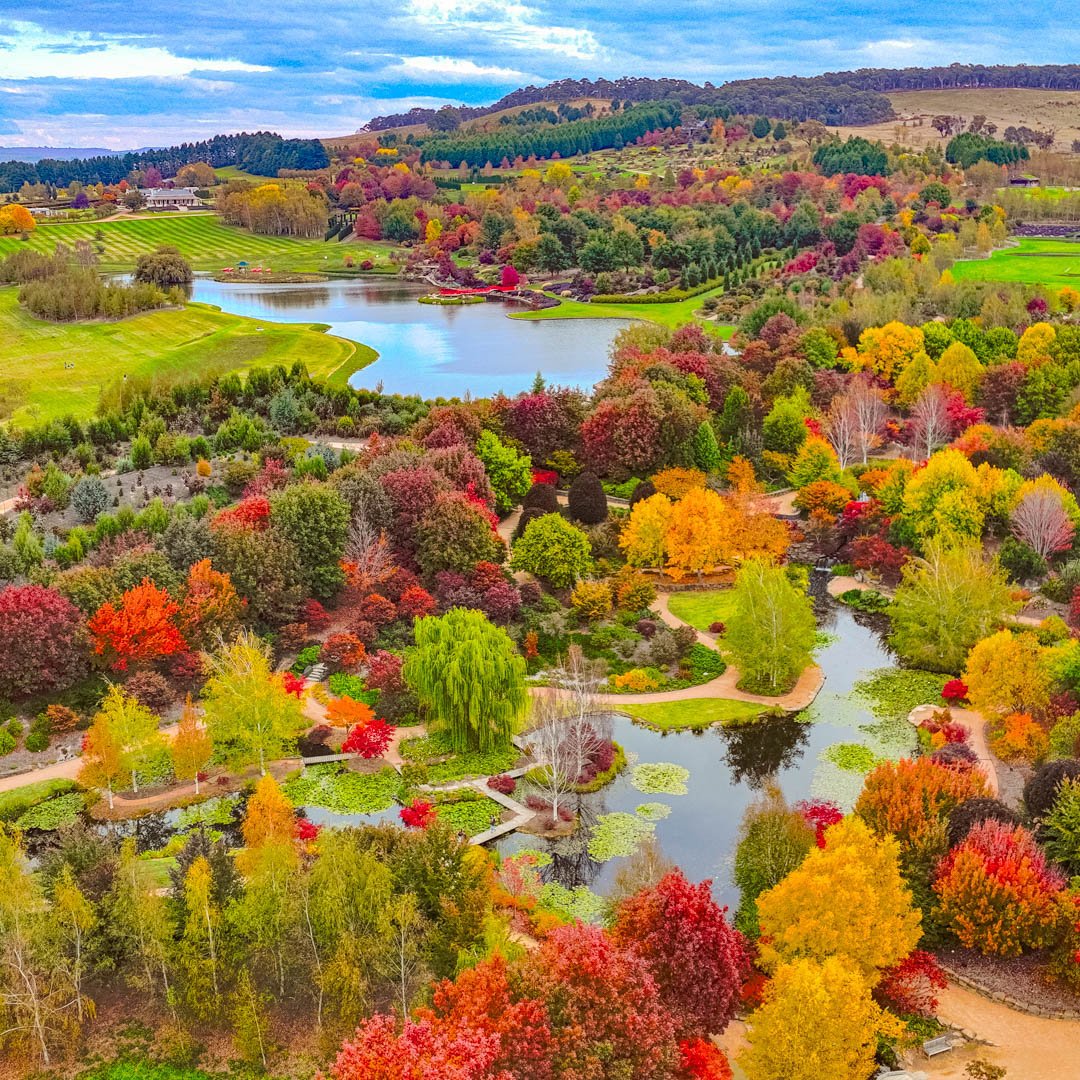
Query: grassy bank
x=672, y=315
x=198, y=340
x=701, y=609
x=202, y=239
x=693, y=713
x=1054, y=263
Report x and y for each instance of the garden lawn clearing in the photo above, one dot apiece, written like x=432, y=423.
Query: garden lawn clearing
x=672, y=315
x=1054, y=263
x=202, y=239
x=701, y=609
x=166, y=345
x=694, y=713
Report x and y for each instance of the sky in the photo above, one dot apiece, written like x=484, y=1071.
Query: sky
x=123, y=74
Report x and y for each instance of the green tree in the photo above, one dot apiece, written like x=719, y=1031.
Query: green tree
x=469, y=678
x=552, y=549
x=198, y=951
x=509, y=473
x=706, y=449
x=314, y=518
x=249, y=713
x=946, y=603
x=771, y=633
x=134, y=730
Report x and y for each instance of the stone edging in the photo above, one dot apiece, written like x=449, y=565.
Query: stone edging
x=1007, y=999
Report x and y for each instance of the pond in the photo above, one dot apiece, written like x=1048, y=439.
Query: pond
x=427, y=349
x=729, y=767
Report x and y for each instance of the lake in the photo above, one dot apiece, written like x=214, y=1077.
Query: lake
x=427, y=349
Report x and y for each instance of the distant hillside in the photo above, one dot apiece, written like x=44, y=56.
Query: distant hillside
x=55, y=153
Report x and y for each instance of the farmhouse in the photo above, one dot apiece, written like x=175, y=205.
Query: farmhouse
x=170, y=198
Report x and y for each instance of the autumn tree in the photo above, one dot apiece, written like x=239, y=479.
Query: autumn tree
x=44, y=643
x=675, y=926
x=141, y=627
x=191, y=747
x=123, y=739
x=817, y=1019
x=855, y=422
x=772, y=631
x=946, y=602
x=553, y=549
x=1043, y=516
x=694, y=541
x=198, y=954
x=469, y=678
x=249, y=713
x=1008, y=673
x=211, y=609
x=644, y=536
x=846, y=899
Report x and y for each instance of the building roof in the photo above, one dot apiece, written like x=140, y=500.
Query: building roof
x=169, y=193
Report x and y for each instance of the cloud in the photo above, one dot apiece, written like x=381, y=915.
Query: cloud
x=453, y=69
x=27, y=51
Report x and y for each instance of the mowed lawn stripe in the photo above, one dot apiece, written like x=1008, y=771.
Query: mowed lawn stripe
x=1053, y=263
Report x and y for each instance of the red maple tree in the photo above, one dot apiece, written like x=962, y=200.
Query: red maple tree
x=139, y=628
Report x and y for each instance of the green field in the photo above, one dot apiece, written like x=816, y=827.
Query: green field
x=694, y=713
x=198, y=340
x=234, y=172
x=672, y=315
x=699, y=609
x=1054, y=263
x=201, y=238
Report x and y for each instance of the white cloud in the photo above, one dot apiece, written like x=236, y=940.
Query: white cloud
x=511, y=24
x=27, y=51
x=451, y=69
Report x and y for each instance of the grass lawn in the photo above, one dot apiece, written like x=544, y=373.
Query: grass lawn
x=700, y=609
x=694, y=713
x=202, y=239
x=200, y=339
x=234, y=172
x=1055, y=263
x=673, y=315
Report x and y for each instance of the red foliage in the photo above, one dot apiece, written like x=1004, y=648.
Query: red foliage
x=700, y=1059
x=43, y=641
x=306, y=831
x=415, y=602
x=677, y=927
x=384, y=672
x=509, y=276
x=503, y=784
x=140, y=627
x=955, y=690
x=377, y=610
x=369, y=740
x=418, y=814
x=294, y=684
x=961, y=415
x=877, y=554
x=316, y=616
x=248, y=513
x=474, y=498
x=272, y=475
x=545, y=476
x=487, y=575
x=819, y=813
x=343, y=650
x=908, y=987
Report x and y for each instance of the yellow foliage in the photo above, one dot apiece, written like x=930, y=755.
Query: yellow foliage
x=847, y=899
x=675, y=483
x=638, y=680
x=817, y=1021
x=695, y=536
x=741, y=478
x=643, y=536
x=268, y=819
x=591, y=600
x=1008, y=673
x=1034, y=347
x=959, y=368
x=887, y=349
x=16, y=219
x=943, y=497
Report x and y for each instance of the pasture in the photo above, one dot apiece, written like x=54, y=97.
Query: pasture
x=201, y=238
x=1053, y=263
x=159, y=345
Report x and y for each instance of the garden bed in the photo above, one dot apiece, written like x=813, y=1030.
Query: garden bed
x=434, y=754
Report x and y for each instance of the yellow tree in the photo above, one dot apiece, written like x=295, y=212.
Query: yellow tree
x=817, y=1020
x=1008, y=673
x=644, y=535
x=695, y=535
x=16, y=219
x=741, y=478
x=269, y=816
x=1034, y=347
x=749, y=532
x=887, y=350
x=959, y=368
x=101, y=764
x=191, y=746
x=846, y=899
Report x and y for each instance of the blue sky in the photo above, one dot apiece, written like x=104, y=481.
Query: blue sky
x=122, y=73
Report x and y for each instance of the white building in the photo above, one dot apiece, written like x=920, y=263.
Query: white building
x=181, y=198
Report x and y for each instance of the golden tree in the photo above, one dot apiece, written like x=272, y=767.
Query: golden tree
x=644, y=536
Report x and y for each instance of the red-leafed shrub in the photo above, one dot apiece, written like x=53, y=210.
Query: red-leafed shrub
x=343, y=650
x=503, y=784
x=306, y=831
x=545, y=476
x=415, y=602
x=418, y=814
x=997, y=892
x=820, y=814
x=370, y=740
x=316, y=616
x=717, y=628
x=44, y=647
x=700, y=1059
x=955, y=690
x=384, y=672
x=378, y=611
x=294, y=684
x=250, y=513
x=910, y=986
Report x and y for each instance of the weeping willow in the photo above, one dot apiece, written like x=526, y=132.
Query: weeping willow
x=469, y=677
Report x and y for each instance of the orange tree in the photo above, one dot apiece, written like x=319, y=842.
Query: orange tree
x=139, y=628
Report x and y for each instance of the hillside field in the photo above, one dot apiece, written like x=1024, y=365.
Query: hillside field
x=202, y=239
x=198, y=340
x=1055, y=263
x=1045, y=110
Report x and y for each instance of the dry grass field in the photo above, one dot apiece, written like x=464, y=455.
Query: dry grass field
x=1044, y=110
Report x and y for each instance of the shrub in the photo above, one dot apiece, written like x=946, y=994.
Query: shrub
x=1040, y=792
x=1061, y=827
x=1020, y=738
x=43, y=640
x=997, y=892
x=37, y=739
x=62, y=719
x=967, y=815
x=645, y=490
x=637, y=680
x=203, y=468
x=955, y=690
x=675, y=483
x=150, y=689
x=718, y=628
x=502, y=783
x=908, y=988
x=89, y=498
x=823, y=495
x=586, y=499
x=591, y=600
x=635, y=592
x=1065, y=737
x=543, y=497
x=8, y=742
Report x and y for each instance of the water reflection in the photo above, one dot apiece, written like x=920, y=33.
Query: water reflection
x=427, y=349
x=755, y=753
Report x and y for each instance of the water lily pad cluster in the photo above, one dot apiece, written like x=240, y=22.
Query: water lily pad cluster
x=344, y=792
x=577, y=903
x=660, y=778
x=618, y=834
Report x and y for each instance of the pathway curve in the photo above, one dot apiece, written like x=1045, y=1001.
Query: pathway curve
x=976, y=729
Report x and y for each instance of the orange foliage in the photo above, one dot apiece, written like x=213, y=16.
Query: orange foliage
x=346, y=712
x=212, y=607
x=675, y=483
x=141, y=626
x=1020, y=738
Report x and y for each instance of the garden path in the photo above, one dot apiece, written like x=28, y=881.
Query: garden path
x=976, y=729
